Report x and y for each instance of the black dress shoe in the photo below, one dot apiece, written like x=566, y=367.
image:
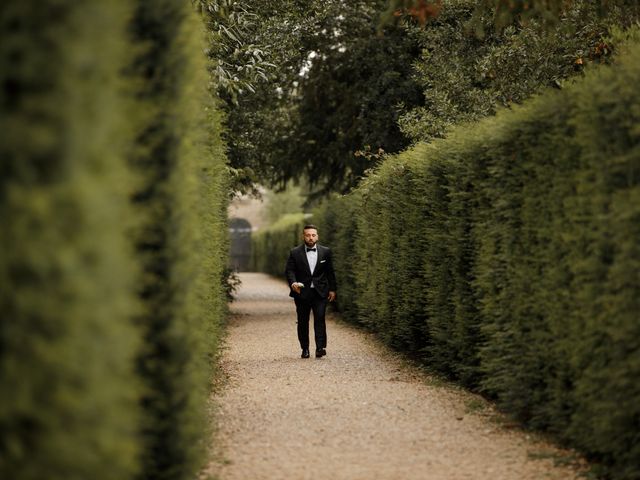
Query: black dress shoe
x=320, y=352
x=305, y=353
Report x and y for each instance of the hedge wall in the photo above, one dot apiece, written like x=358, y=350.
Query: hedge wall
x=179, y=240
x=507, y=257
x=68, y=407
x=270, y=247
x=340, y=215
x=113, y=202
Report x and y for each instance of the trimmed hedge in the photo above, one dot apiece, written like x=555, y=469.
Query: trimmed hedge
x=507, y=257
x=67, y=344
x=340, y=215
x=270, y=247
x=179, y=239
x=113, y=202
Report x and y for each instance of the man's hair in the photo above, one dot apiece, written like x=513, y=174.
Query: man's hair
x=309, y=227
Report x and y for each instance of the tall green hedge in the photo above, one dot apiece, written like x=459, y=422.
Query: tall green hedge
x=340, y=215
x=113, y=200
x=270, y=247
x=68, y=408
x=507, y=257
x=180, y=200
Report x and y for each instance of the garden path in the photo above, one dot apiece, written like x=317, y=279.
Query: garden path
x=361, y=412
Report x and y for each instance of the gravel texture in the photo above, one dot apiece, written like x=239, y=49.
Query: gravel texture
x=361, y=412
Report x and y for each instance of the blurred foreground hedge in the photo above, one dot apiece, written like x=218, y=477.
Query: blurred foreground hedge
x=113, y=239
x=507, y=257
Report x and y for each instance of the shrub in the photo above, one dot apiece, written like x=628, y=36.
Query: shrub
x=69, y=407
x=181, y=238
x=113, y=200
x=271, y=246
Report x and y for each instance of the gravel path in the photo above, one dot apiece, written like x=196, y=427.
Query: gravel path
x=359, y=413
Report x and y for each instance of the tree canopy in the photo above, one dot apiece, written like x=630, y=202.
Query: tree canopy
x=319, y=92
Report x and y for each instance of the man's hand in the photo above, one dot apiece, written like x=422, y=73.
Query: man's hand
x=332, y=296
x=296, y=286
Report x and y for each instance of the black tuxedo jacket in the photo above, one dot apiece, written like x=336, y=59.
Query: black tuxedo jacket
x=297, y=270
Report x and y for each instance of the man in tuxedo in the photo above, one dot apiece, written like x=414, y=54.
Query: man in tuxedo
x=310, y=274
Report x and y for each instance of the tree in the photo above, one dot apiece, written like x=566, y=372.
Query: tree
x=327, y=54
x=504, y=12
x=336, y=88
x=349, y=106
x=237, y=62
x=465, y=77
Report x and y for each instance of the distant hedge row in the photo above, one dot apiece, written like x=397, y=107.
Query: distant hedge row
x=270, y=247
x=113, y=239
x=507, y=257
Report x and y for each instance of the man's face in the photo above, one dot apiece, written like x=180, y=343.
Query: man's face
x=310, y=236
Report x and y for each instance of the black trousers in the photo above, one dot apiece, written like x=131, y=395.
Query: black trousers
x=304, y=307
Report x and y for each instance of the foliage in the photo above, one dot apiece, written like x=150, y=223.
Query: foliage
x=281, y=203
x=69, y=402
x=328, y=99
x=332, y=91
x=420, y=11
x=466, y=77
x=349, y=105
x=338, y=228
x=180, y=238
x=113, y=197
x=68, y=408
x=241, y=57
x=270, y=247
x=237, y=62
x=232, y=283
x=546, y=10
x=506, y=257
x=504, y=13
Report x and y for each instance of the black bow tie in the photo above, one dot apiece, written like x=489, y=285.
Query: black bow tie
x=311, y=249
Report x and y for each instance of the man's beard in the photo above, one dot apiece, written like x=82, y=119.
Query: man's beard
x=310, y=244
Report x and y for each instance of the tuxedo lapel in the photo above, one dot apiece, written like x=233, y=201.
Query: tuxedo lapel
x=305, y=260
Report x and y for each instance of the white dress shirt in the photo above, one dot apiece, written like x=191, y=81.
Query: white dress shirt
x=312, y=258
